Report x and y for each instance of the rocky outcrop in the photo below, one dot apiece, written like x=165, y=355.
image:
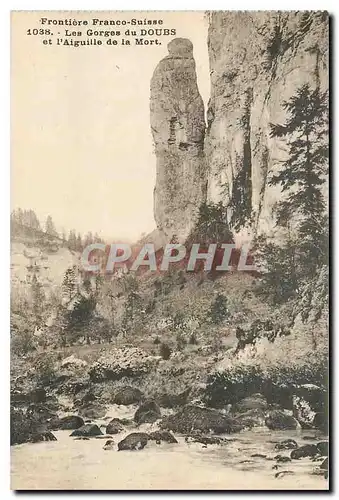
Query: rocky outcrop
x=147, y=412
x=194, y=418
x=257, y=61
x=178, y=128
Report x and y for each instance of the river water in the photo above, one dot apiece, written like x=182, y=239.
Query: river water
x=70, y=464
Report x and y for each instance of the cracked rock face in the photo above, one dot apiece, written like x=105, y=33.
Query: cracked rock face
x=257, y=61
x=178, y=128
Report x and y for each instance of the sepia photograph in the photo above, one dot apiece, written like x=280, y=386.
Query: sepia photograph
x=169, y=250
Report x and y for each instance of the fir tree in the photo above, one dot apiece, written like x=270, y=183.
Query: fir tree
x=302, y=175
x=219, y=310
x=69, y=284
x=50, y=227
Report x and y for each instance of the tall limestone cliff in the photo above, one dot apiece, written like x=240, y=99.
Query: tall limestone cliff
x=178, y=128
x=257, y=61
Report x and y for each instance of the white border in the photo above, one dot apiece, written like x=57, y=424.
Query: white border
x=7, y=6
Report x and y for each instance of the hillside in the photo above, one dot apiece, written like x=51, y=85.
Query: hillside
x=35, y=252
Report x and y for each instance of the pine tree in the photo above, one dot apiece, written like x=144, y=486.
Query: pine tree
x=302, y=175
x=79, y=243
x=38, y=298
x=289, y=267
x=72, y=240
x=219, y=310
x=69, y=284
x=212, y=225
x=50, y=227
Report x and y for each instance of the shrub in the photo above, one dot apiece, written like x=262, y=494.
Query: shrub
x=193, y=339
x=165, y=351
x=22, y=342
x=45, y=368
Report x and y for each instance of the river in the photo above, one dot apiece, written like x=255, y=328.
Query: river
x=69, y=464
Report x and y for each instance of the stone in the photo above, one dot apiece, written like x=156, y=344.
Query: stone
x=134, y=441
x=254, y=402
x=320, y=422
x=148, y=412
x=257, y=61
x=114, y=426
x=127, y=395
x=287, y=444
x=282, y=458
x=278, y=420
x=93, y=411
x=195, y=418
x=87, y=430
x=308, y=450
x=42, y=436
x=109, y=445
x=178, y=129
x=70, y=422
x=165, y=436
x=322, y=447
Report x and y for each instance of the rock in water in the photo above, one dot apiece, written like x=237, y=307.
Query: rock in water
x=127, y=395
x=308, y=450
x=87, y=430
x=192, y=418
x=147, y=412
x=254, y=402
x=42, y=436
x=109, y=445
x=178, y=128
x=134, y=441
x=278, y=420
x=287, y=444
x=114, y=426
x=68, y=423
x=93, y=410
x=165, y=436
x=323, y=448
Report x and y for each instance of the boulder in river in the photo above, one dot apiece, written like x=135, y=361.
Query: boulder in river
x=168, y=400
x=200, y=438
x=87, y=430
x=251, y=418
x=147, y=412
x=134, y=441
x=165, y=436
x=127, y=395
x=109, y=445
x=323, y=448
x=93, y=411
x=114, y=426
x=320, y=422
x=254, y=402
x=308, y=450
x=191, y=417
x=282, y=458
x=42, y=436
x=278, y=420
x=68, y=423
x=287, y=444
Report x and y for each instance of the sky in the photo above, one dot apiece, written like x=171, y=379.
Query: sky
x=81, y=145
